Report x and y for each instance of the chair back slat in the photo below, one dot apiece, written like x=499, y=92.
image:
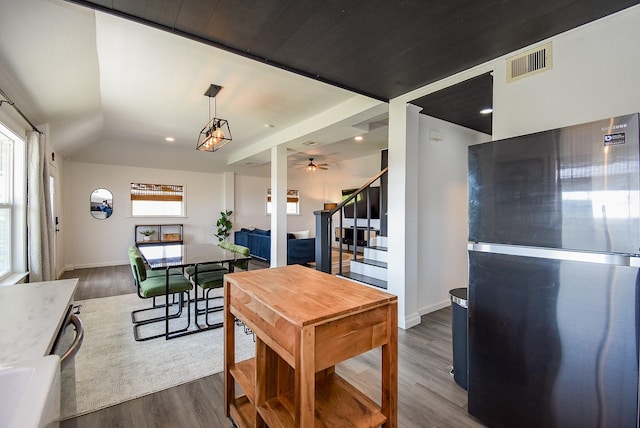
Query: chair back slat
x=138, y=267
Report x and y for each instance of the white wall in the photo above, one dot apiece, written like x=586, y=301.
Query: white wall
x=315, y=189
x=250, y=201
x=596, y=74
x=90, y=242
x=443, y=218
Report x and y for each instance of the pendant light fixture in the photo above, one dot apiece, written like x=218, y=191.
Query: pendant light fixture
x=216, y=133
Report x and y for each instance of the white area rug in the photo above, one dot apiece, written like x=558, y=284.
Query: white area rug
x=111, y=367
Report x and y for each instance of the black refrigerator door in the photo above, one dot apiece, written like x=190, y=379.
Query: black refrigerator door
x=572, y=188
x=552, y=343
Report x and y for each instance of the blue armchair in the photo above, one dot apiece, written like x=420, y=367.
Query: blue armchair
x=299, y=251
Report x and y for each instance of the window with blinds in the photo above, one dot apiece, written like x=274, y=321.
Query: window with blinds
x=6, y=202
x=293, y=201
x=153, y=200
x=13, y=194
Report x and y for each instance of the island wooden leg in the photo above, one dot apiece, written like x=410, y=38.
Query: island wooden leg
x=305, y=379
x=266, y=375
x=390, y=369
x=230, y=353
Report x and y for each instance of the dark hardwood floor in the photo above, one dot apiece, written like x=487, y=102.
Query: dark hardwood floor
x=427, y=397
x=115, y=280
x=102, y=282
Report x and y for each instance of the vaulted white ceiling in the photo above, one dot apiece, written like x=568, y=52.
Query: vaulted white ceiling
x=112, y=90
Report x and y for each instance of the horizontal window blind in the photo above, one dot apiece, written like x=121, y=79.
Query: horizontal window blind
x=156, y=192
x=292, y=195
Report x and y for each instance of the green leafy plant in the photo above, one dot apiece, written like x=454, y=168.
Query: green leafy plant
x=224, y=225
x=147, y=232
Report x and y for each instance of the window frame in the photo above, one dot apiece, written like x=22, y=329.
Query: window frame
x=293, y=196
x=160, y=198
x=16, y=244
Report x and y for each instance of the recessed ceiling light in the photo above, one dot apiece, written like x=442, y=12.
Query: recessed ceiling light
x=170, y=139
x=486, y=110
x=359, y=138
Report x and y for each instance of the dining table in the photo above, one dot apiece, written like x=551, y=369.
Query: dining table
x=170, y=256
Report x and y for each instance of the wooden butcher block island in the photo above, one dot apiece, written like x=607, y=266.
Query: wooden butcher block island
x=305, y=322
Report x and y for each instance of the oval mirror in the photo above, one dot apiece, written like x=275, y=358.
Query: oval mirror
x=101, y=204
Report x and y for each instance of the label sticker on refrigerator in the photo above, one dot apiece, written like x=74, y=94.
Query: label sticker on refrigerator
x=614, y=139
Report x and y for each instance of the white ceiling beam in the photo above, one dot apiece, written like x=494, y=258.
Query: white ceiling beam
x=354, y=110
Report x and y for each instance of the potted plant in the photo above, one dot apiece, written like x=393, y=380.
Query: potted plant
x=147, y=234
x=224, y=225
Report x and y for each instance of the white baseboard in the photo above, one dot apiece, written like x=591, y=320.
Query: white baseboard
x=435, y=307
x=93, y=265
x=411, y=320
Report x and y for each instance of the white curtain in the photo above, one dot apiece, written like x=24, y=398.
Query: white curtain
x=39, y=216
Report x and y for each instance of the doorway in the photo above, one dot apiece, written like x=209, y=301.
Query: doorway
x=53, y=174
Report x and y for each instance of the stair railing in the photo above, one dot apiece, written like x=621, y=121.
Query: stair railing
x=324, y=226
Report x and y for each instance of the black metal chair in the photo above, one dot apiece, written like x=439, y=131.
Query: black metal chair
x=134, y=251
x=154, y=286
x=209, y=280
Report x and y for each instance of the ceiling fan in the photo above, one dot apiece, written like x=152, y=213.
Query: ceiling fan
x=310, y=167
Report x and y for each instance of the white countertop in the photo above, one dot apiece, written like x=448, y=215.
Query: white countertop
x=31, y=316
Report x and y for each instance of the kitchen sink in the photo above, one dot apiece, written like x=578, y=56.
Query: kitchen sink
x=30, y=393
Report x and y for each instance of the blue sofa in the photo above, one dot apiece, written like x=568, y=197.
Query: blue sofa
x=299, y=251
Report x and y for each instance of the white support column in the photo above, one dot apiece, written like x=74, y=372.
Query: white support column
x=278, y=206
x=403, y=210
x=229, y=196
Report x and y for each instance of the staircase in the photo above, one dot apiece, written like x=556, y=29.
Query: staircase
x=370, y=267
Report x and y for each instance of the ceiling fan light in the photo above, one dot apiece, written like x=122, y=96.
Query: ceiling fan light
x=311, y=166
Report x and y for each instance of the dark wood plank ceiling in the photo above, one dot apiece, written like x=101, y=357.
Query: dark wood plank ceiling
x=380, y=48
x=462, y=103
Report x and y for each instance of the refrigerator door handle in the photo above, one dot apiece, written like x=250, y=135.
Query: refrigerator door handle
x=555, y=254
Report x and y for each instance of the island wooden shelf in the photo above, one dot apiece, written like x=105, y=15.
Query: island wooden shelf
x=306, y=322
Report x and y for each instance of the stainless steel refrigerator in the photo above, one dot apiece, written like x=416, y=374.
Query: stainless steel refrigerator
x=554, y=259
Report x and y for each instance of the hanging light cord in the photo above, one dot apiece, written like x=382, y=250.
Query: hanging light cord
x=215, y=125
x=12, y=104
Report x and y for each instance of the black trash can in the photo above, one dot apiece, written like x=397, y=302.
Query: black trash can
x=459, y=335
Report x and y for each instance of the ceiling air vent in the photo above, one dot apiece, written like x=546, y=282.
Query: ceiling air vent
x=530, y=62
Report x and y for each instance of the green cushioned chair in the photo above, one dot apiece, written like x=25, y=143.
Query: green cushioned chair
x=133, y=252
x=212, y=279
x=239, y=264
x=212, y=267
x=155, y=286
x=151, y=273
x=209, y=267
x=209, y=281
